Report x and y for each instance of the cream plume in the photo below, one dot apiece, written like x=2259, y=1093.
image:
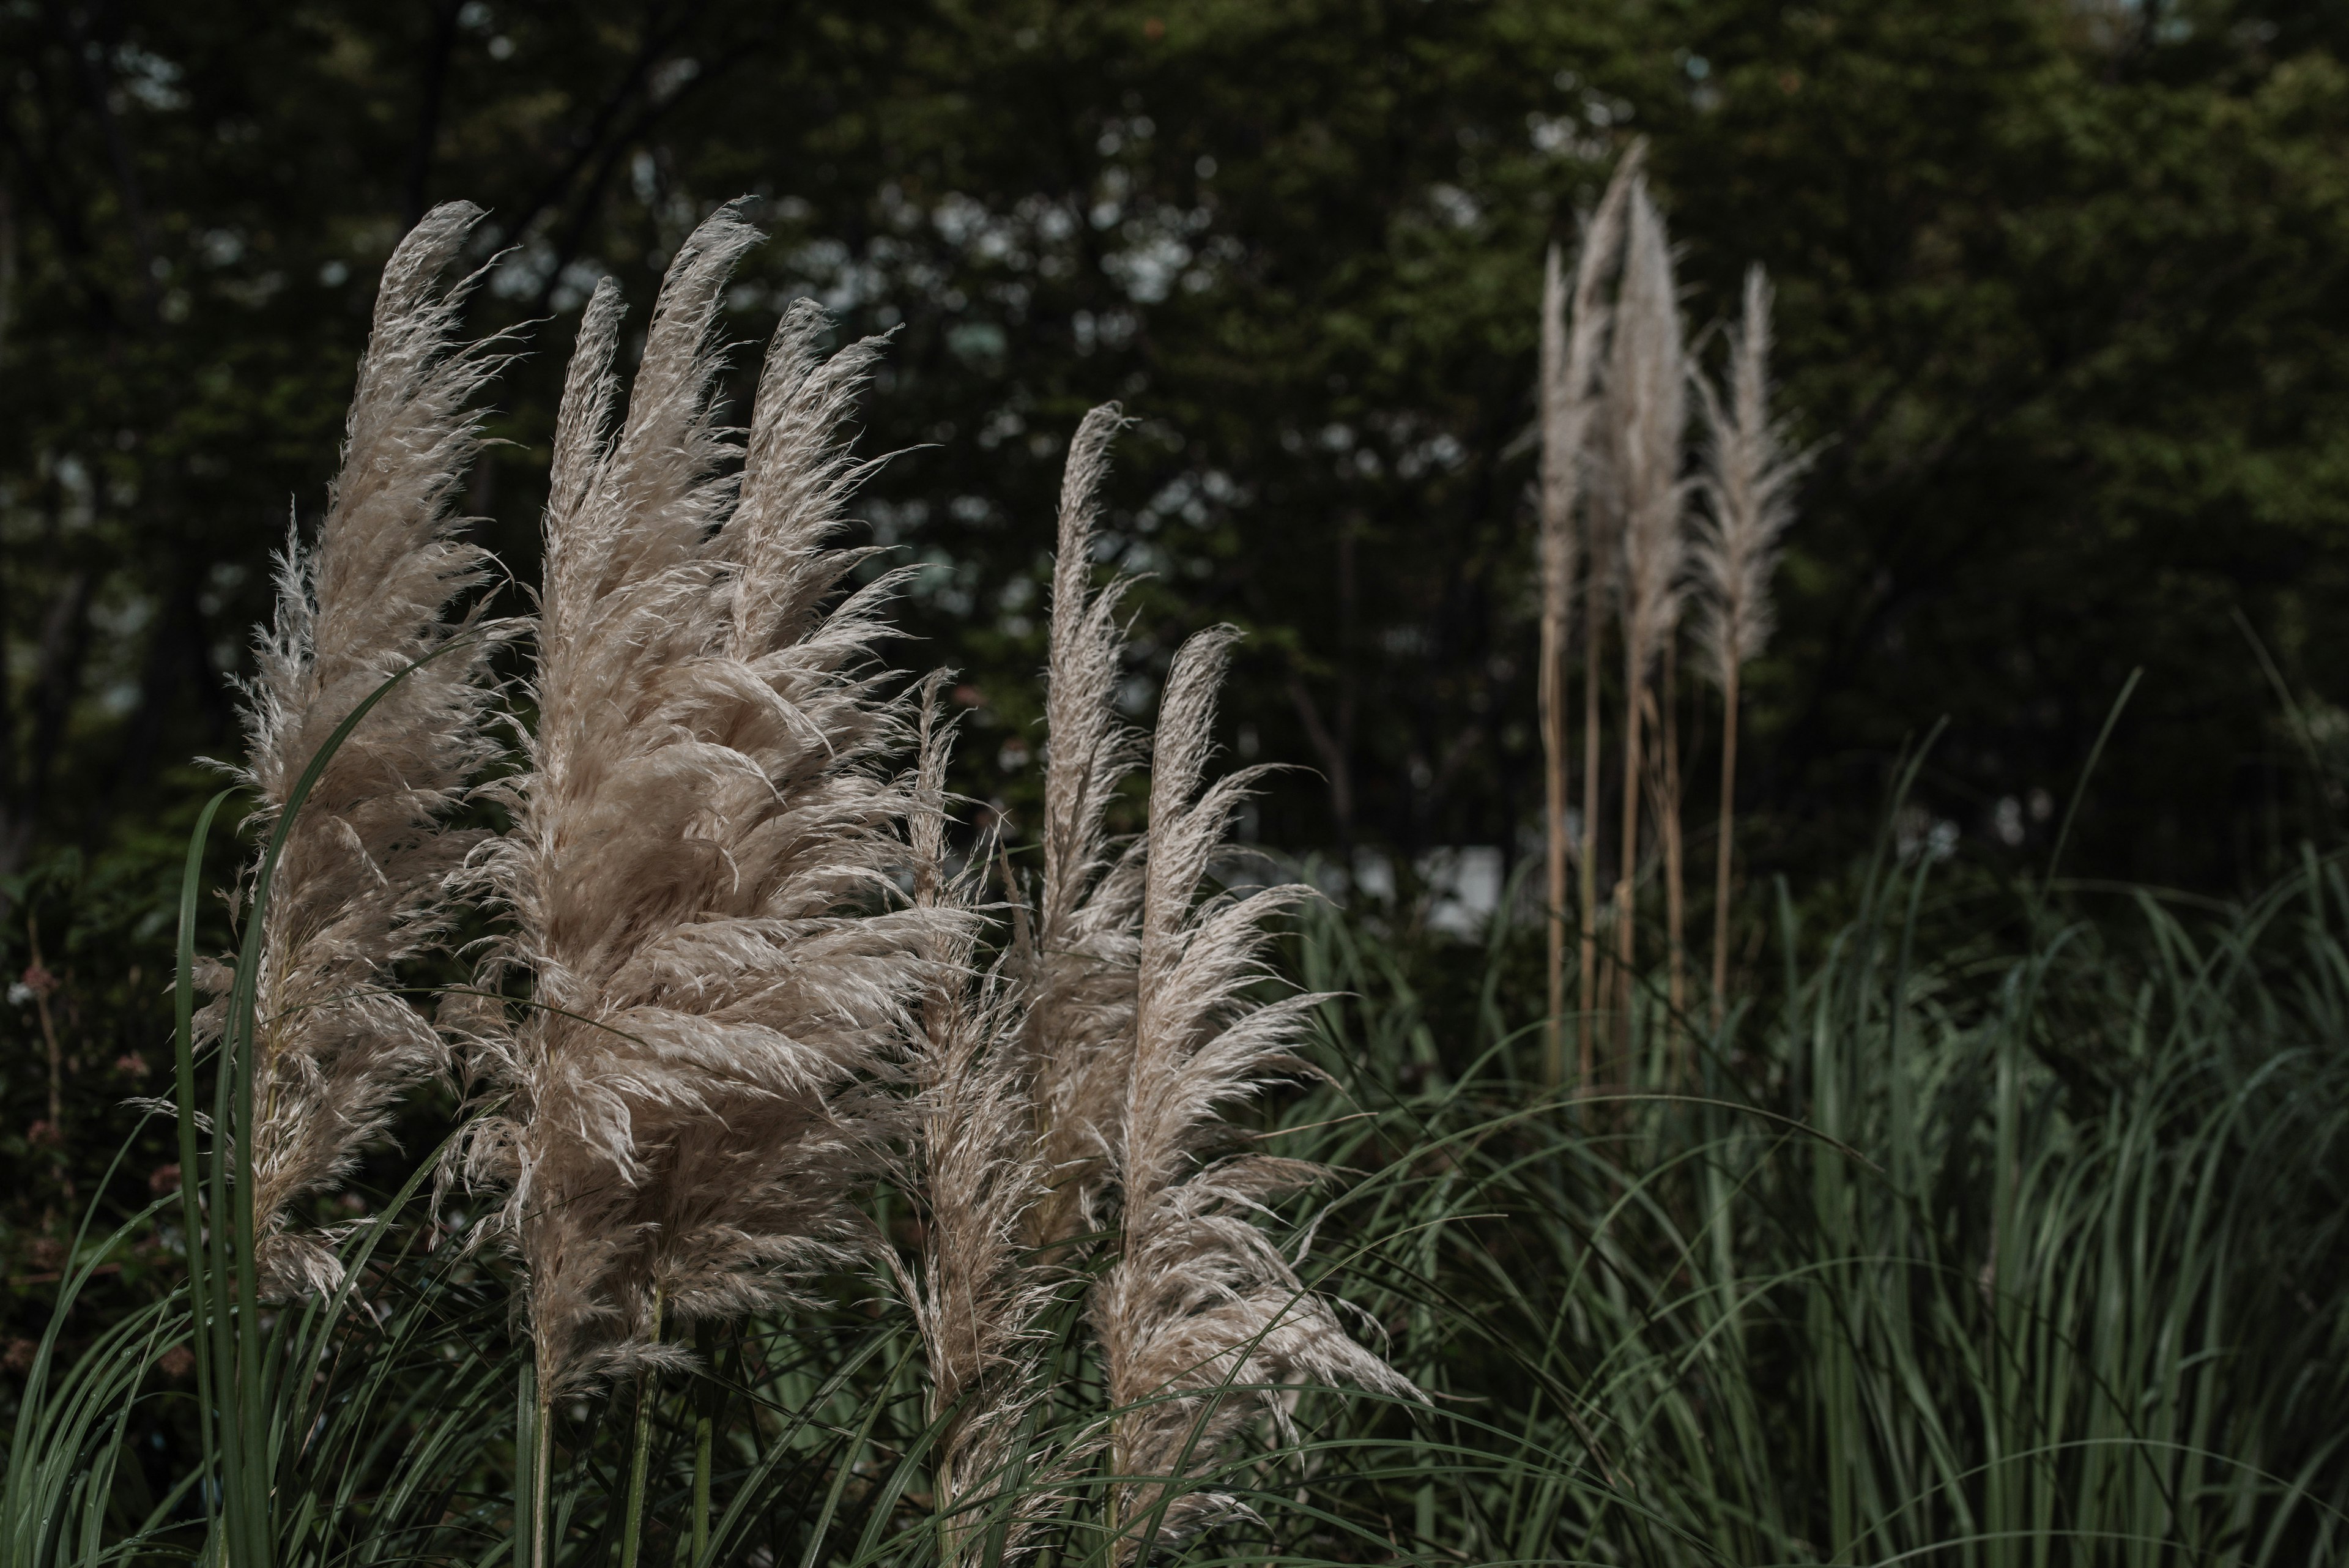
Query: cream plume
x=1085, y=945
x=1647, y=416
x=357, y=886
x=1748, y=477
x=977, y=1173
x=1571, y=344
x=698, y=874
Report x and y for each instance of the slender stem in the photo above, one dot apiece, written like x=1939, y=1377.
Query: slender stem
x=1554, y=754
x=1594, y=622
x=1625, y=947
x=633, y=1531
x=530, y=1471
x=1668, y=812
x=704, y=1429
x=248, y=1383
x=541, y=1484
x=1723, y=846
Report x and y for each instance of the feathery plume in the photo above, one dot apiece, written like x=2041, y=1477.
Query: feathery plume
x=1570, y=349
x=1748, y=478
x=357, y=886
x=699, y=871
x=1200, y=1316
x=1646, y=417
x=1647, y=408
x=1081, y=976
x=979, y=1172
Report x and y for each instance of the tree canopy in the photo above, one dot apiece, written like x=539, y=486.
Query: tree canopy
x=2061, y=306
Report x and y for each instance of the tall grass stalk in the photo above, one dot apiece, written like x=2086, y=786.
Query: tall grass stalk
x=1203, y=1320
x=1669, y=830
x=240, y=1367
x=977, y=1173
x=1644, y=416
x=1587, y=1012
x=1078, y=938
x=1747, y=481
x=1571, y=346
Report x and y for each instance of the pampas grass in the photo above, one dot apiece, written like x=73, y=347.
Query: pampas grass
x=1645, y=416
x=1082, y=945
x=699, y=873
x=728, y=995
x=1139, y=1034
x=1022, y=1065
x=356, y=888
x=1201, y=1319
x=978, y=1173
x=1134, y=1034
x=1569, y=368
x=1748, y=477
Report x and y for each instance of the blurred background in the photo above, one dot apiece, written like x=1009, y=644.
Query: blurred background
x=2061, y=305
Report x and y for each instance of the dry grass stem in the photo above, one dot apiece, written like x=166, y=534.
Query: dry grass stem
x=1201, y=1318
x=1663, y=717
x=1646, y=417
x=699, y=874
x=1748, y=481
x=358, y=884
x=1571, y=346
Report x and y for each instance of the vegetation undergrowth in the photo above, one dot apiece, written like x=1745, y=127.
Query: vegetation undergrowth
x=1972, y=1257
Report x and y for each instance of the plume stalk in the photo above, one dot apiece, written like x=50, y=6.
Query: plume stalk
x=980, y=1172
x=1646, y=414
x=1083, y=943
x=1571, y=344
x=1204, y=1323
x=1748, y=484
